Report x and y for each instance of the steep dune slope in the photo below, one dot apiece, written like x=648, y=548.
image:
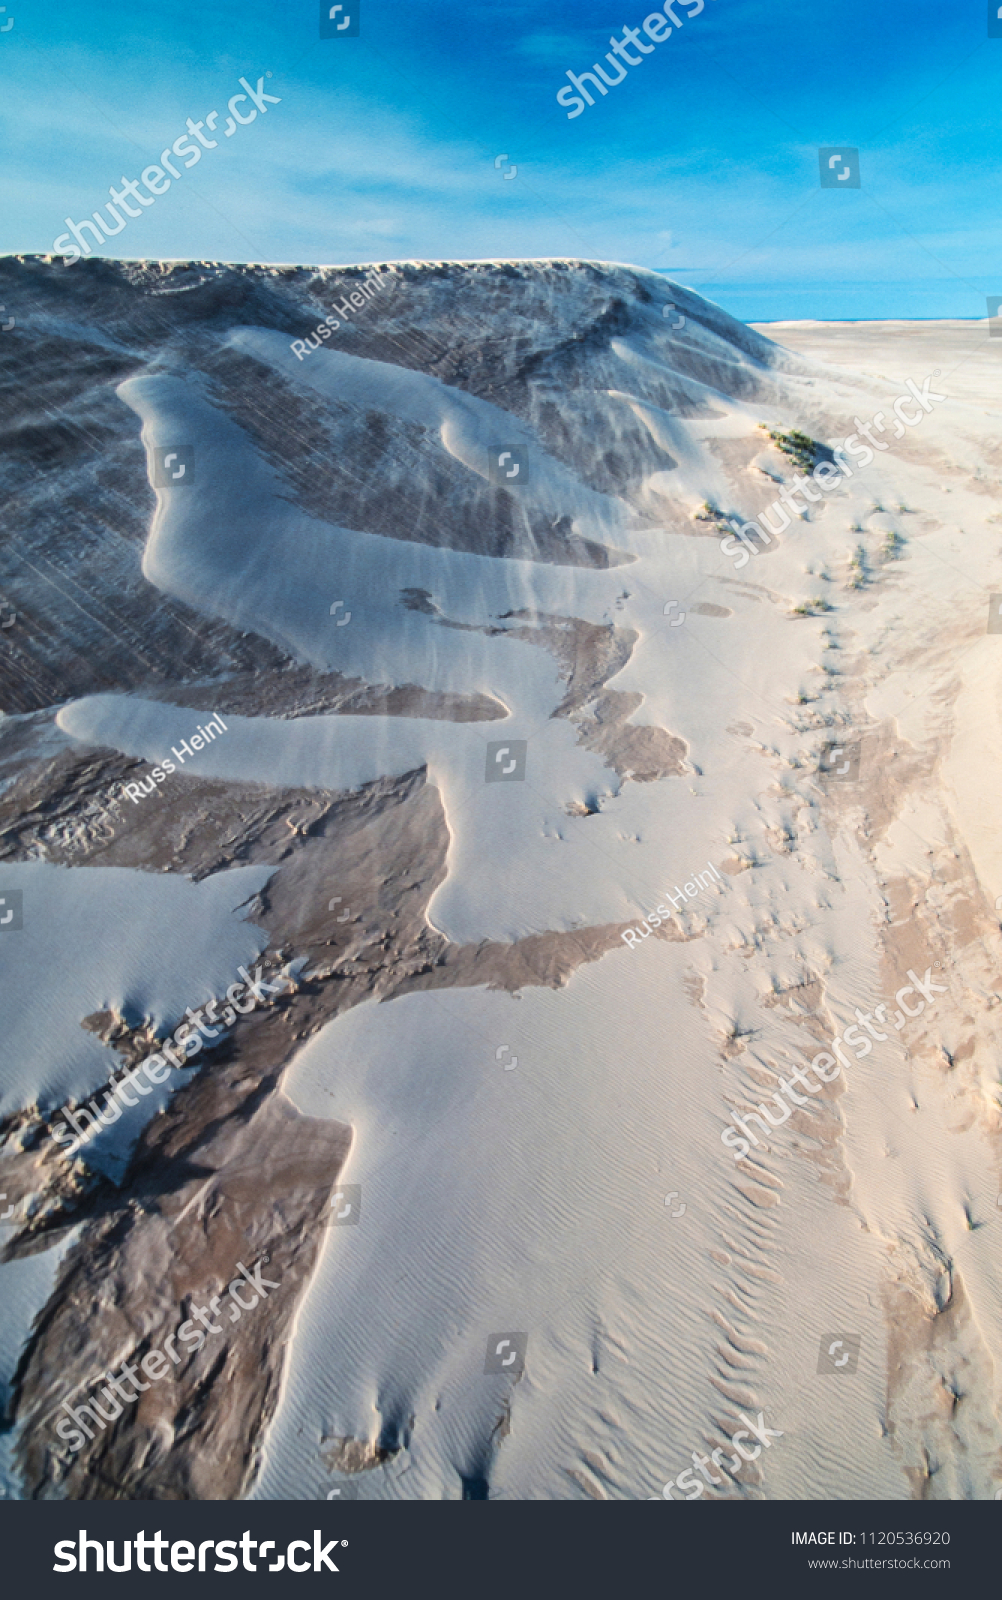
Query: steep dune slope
x=489, y=1038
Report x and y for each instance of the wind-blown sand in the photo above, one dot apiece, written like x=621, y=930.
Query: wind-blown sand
x=533, y=1199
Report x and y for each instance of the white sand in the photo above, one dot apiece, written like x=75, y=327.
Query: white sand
x=534, y=1200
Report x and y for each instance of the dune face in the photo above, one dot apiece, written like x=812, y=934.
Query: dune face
x=604, y=790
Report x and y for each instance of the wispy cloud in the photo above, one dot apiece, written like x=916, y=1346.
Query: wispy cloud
x=386, y=146
x=558, y=48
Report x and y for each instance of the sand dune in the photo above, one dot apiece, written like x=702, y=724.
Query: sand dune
x=676, y=692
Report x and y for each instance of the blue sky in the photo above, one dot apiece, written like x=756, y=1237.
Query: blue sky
x=704, y=159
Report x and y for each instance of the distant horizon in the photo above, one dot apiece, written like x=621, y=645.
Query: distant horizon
x=727, y=296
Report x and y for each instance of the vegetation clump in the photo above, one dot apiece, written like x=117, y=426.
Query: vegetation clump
x=800, y=447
